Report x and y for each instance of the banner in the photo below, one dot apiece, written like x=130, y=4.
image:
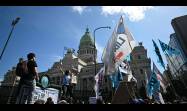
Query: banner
x=40, y=94
x=118, y=48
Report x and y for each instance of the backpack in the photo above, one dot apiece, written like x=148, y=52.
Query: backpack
x=21, y=69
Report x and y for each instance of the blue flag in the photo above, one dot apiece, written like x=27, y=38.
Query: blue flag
x=128, y=58
x=168, y=49
x=160, y=60
x=153, y=85
x=116, y=78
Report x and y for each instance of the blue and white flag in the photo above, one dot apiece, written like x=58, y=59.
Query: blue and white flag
x=153, y=85
x=117, y=77
x=170, y=50
x=160, y=60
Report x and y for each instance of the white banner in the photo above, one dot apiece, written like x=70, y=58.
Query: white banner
x=39, y=94
x=123, y=48
x=119, y=46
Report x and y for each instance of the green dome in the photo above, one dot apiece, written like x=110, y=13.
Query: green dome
x=86, y=39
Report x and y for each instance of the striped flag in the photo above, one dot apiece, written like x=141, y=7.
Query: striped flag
x=160, y=77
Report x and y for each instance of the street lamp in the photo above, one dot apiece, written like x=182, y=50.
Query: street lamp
x=108, y=27
x=14, y=22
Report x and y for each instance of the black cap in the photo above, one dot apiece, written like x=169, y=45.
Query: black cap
x=30, y=56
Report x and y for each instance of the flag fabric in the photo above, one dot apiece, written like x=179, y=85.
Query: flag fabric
x=153, y=85
x=99, y=81
x=118, y=48
x=160, y=77
x=108, y=55
x=168, y=49
x=160, y=60
x=128, y=58
x=117, y=77
x=158, y=97
x=153, y=88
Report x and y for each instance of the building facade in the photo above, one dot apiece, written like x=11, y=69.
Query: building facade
x=83, y=63
x=179, y=25
x=10, y=78
x=177, y=63
x=140, y=65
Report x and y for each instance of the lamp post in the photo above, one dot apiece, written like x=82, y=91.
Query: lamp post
x=14, y=22
x=108, y=27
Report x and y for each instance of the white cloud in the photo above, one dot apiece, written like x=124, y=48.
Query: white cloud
x=134, y=13
x=79, y=9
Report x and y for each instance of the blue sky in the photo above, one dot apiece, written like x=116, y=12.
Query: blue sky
x=45, y=30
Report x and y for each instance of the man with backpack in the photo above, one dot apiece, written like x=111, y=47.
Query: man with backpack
x=29, y=80
x=21, y=70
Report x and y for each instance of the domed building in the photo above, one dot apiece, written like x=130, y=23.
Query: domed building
x=83, y=63
x=86, y=48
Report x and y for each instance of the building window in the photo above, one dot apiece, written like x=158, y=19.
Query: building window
x=141, y=71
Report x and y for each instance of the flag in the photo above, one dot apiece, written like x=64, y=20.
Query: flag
x=160, y=60
x=153, y=87
x=99, y=81
x=168, y=49
x=160, y=77
x=119, y=46
x=128, y=58
x=158, y=97
x=153, y=84
x=117, y=77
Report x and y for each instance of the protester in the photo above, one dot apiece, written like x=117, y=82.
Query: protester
x=73, y=82
x=20, y=71
x=49, y=101
x=66, y=84
x=29, y=80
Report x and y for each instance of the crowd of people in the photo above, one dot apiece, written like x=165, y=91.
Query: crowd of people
x=27, y=71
